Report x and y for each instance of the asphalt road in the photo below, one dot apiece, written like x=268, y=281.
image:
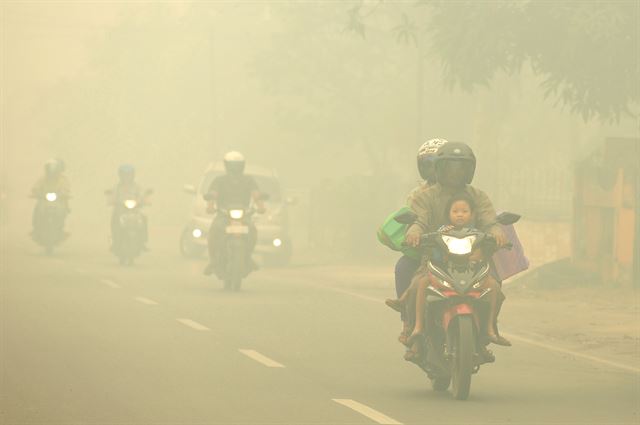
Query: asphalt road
x=86, y=341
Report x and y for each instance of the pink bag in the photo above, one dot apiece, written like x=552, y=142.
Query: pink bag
x=509, y=262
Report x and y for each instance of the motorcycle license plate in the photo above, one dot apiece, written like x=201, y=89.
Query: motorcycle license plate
x=237, y=230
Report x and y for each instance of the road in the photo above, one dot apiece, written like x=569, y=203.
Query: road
x=86, y=341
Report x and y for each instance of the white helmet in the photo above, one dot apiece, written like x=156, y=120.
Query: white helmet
x=427, y=158
x=234, y=162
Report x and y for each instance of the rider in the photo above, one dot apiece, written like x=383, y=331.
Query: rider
x=455, y=168
x=408, y=265
x=460, y=210
x=234, y=188
x=126, y=189
x=53, y=181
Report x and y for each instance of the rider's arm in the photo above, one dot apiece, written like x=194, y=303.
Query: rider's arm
x=420, y=204
x=486, y=217
x=257, y=198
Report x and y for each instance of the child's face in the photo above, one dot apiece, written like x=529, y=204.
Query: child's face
x=460, y=213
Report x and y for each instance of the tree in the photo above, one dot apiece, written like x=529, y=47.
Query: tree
x=585, y=51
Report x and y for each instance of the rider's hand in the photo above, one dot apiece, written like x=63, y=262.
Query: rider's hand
x=412, y=239
x=501, y=239
x=211, y=208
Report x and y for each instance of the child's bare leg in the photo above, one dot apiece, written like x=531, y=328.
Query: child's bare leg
x=421, y=288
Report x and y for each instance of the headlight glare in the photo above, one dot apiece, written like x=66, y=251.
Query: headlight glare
x=130, y=203
x=51, y=196
x=459, y=246
x=236, y=214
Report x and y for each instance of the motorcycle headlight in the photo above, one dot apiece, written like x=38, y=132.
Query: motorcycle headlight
x=51, y=196
x=236, y=214
x=130, y=203
x=197, y=233
x=277, y=242
x=459, y=246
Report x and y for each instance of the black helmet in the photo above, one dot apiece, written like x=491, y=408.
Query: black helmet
x=234, y=163
x=427, y=159
x=456, y=152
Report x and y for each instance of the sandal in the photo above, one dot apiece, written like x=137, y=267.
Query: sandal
x=395, y=304
x=499, y=340
x=403, y=338
x=416, y=349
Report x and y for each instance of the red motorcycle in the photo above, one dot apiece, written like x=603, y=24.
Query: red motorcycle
x=457, y=311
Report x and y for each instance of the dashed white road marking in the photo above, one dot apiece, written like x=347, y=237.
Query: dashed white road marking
x=353, y=294
x=572, y=353
x=146, y=301
x=110, y=283
x=194, y=325
x=260, y=358
x=367, y=411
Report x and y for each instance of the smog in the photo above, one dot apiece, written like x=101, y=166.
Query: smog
x=320, y=212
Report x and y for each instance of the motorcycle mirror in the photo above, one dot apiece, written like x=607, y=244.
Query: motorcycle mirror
x=189, y=188
x=507, y=218
x=406, y=218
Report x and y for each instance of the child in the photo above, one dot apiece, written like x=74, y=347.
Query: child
x=459, y=210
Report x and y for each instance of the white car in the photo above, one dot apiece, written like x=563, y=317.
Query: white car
x=273, y=246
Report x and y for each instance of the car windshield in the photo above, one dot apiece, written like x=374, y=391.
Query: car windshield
x=266, y=184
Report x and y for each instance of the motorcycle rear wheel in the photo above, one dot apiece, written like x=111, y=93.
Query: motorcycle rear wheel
x=462, y=365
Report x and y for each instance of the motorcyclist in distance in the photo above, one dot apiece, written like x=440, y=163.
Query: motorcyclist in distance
x=53, y=181
x=126, y=189
x=234, y=188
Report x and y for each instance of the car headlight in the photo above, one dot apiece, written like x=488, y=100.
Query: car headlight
x=197, y=233
x=51, y=196
x=130, y=203
x=459, y=246
x=236, y=214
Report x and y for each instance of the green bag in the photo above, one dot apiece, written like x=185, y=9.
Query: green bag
x=392, y=233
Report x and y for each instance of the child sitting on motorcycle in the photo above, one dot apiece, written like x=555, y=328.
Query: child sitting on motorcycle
x=460, y=211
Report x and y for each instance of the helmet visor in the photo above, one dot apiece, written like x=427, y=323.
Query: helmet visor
x=453, y=172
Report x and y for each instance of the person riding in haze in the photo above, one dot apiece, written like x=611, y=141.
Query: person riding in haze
x=126, y=189
x=460, y=209
x=53, y=181
x=234, y=188
x=455, y=169
x=407, y=265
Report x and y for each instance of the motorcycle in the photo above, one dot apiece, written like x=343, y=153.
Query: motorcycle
x=234, y=259
x=456, y=307
x=49, y=217
x=130, y=229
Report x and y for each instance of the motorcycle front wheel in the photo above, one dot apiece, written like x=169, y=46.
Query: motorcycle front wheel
x=462, y=362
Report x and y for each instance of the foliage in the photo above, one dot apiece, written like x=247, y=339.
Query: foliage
x=585, y=51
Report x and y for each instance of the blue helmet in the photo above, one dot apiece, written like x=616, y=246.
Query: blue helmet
x=126, y=171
